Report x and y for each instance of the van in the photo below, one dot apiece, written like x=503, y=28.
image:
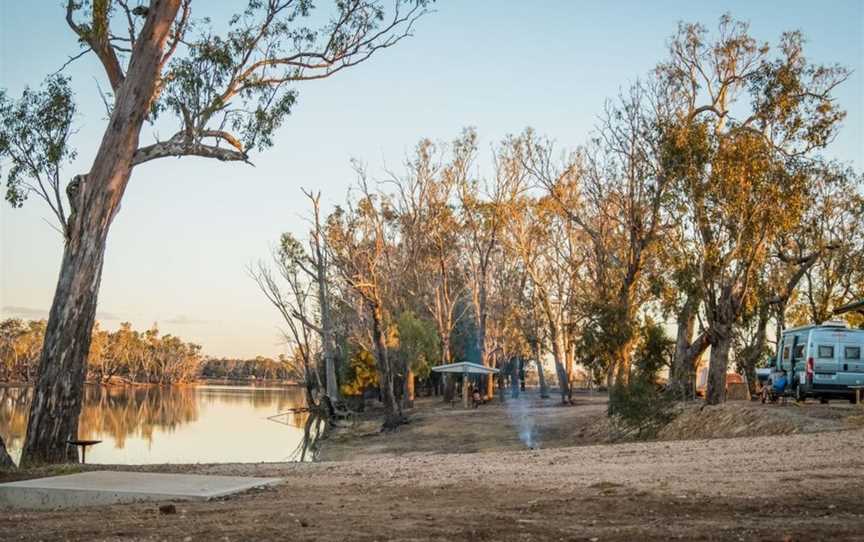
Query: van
x=823, y=360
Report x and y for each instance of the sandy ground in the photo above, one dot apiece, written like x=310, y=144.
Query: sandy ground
x=804, y=486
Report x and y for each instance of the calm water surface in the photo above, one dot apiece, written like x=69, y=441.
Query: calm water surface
x=188, y=424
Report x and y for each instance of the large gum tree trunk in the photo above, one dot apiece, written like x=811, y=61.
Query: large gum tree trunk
x=682, y=372
x=62, y=365
x=721, y=343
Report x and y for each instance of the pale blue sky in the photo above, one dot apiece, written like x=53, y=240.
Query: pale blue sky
x=187, y=228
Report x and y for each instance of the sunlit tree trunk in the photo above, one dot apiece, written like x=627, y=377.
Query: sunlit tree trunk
x=560, y=370
x=62, y=366
x=481, y=335
x=538, y=352
x=682, y=375
x=385, y=370
x=409, y=388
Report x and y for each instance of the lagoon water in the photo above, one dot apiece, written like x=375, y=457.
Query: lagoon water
x=178, y=424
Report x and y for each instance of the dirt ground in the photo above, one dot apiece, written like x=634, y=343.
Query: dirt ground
x=804, y=485
x=438, y=427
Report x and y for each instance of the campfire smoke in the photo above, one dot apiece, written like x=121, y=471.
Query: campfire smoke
x=519, y=410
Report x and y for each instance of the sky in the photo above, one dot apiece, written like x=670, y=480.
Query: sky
x=188, y=228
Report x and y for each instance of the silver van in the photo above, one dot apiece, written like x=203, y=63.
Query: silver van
x=823, y=360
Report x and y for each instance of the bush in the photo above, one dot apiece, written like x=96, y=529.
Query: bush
x=639, y=409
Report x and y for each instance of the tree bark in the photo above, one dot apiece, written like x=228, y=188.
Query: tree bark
x=558, y=354
x=753, y=352
x=514, y=378
x=62, y=365
x=393, y=413
x=544, y=390
x=409, y=388
x=481, y=336
x=570, y=356
x=721, y=343
x=328, y=339
x=682, y=381
x=623, y=357
x=6, y=462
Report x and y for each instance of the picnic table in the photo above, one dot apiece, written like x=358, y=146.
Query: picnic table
x=83, y=444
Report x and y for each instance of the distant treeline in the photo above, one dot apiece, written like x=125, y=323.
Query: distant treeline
x=145, y=357
x=259, y=368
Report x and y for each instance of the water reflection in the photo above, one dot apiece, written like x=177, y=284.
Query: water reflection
x=180, y=424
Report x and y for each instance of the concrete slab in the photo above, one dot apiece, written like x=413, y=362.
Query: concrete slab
x=111, y=487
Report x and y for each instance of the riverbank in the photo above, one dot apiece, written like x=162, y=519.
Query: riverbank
x=735, y=489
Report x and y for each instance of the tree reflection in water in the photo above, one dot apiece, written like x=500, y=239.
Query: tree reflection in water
x=122, y=412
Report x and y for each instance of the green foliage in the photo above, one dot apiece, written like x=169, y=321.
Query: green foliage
x=34, y=140
x=654, y=351
x=418, y=343
x=258, y=368
x=242, y=81
x=639, y=409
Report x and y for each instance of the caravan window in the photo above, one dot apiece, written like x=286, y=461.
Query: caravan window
x=799, y=351
x=826, y=352
x=785, y=353
x=853, y=352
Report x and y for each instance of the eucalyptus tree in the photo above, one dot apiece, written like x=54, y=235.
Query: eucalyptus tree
x=547, y=243
x=831, y=222
x=681, y=297
x=747, y=124
x=432, y=251
x=614, y=189
x=227, y=93
x=362, y=239
x=305, y=301
x=837, y=276
x=483, y=208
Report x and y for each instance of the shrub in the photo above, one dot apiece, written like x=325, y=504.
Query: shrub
x=639, y=409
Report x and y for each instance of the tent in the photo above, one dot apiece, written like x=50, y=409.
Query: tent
x=465, y=368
